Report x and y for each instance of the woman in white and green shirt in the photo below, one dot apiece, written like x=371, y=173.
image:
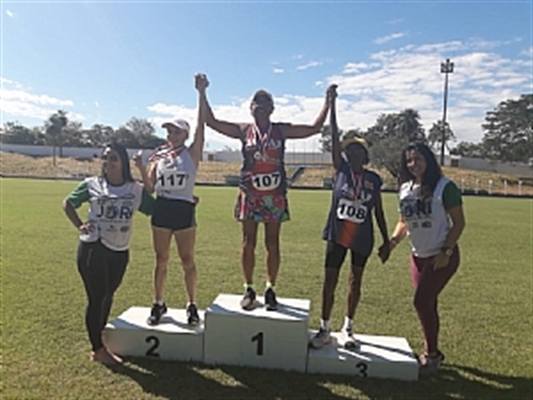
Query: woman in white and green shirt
x=102, y=257
x=431, y=214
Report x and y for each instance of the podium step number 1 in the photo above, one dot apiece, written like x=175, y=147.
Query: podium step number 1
x=257, y=338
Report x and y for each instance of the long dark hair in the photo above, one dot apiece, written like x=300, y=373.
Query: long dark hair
x=432, y=174
x=124, y=159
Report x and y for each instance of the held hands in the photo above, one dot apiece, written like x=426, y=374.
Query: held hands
x=384, y=252
x=331, y=93
x=201, y=82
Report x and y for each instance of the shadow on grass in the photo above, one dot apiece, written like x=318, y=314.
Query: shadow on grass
x=177, y=380
x=452, y=382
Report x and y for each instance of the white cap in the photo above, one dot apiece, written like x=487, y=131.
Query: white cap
x=178, y=123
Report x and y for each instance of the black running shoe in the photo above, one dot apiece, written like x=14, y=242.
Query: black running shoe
x=270, y=300
x=248, y=300
x=192, y=315
x=156, y=313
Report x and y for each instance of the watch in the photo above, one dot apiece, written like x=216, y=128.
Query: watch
x=448, y=251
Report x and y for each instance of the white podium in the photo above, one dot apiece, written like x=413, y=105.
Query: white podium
x=172, y=339
x=378, y=356
x=257, y=338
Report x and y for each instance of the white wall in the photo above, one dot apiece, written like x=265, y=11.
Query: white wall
x=519, y=169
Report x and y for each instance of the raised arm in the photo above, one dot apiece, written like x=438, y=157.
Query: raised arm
x=197, y=146
x=335, y=142
x=297, y=131
x=229, y=129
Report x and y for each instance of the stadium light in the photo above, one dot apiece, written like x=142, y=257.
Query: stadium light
x=445, y=68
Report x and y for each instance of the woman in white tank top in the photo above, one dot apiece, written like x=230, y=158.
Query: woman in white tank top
x=431, y=215
x=171, y=173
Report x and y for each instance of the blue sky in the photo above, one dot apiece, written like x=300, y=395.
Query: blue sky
x=107, y=61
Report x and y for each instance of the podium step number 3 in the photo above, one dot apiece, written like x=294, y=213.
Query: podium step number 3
x=172, y=339
x=377, y=356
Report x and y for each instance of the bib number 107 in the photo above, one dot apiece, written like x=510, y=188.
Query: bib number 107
x=266, y=181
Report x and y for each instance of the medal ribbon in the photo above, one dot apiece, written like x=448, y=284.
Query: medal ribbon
x=357, y=180
x=164, y=151
x=262, y=138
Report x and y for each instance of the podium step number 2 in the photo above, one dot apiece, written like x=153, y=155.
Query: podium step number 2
x=172, y=339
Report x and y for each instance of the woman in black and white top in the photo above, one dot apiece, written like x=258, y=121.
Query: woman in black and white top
x=103, y=255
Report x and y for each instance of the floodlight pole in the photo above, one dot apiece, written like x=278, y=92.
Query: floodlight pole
x=445, y=68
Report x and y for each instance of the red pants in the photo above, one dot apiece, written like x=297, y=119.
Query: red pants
x=428, y=283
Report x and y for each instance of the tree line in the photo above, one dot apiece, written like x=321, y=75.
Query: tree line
x=58, y=131
x=507, y=134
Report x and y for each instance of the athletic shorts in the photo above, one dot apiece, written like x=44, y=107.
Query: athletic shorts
x=270, y=208
x=175, y=215
x=335, y=255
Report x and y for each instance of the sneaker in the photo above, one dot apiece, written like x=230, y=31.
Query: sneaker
x=192, y=315
x=322, y=338
x=429, y=365
x=248, y=300
x=349, y=340
x=156, y=313
x=270, y=300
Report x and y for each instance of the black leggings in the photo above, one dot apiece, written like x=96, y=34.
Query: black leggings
x=101, y=270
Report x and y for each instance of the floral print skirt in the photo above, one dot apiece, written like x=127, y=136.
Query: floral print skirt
x=265, y=208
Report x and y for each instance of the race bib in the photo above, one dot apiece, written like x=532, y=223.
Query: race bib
x=264, y=182
x=172, y=180
x=351, y=211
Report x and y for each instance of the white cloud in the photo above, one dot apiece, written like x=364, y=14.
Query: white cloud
x=395, y=21
x=527, y=52
x=388, y=38
x=409, y=77
x=393, y=80
x=353, y=68
x=10, y=14
x=278, y=70
x=18, y=101
x=97, y=104
x=310, y=64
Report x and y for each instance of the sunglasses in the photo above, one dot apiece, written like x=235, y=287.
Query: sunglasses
x=110, y=157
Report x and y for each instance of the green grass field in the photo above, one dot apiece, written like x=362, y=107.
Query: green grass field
x=486, y=310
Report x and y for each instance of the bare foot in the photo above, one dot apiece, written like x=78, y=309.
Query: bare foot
x=106, y=357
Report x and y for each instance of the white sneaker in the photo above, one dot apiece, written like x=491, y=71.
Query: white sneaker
x=349, y=340
x=322, y=338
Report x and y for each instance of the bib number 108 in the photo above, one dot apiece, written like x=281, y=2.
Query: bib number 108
x=350, y=211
